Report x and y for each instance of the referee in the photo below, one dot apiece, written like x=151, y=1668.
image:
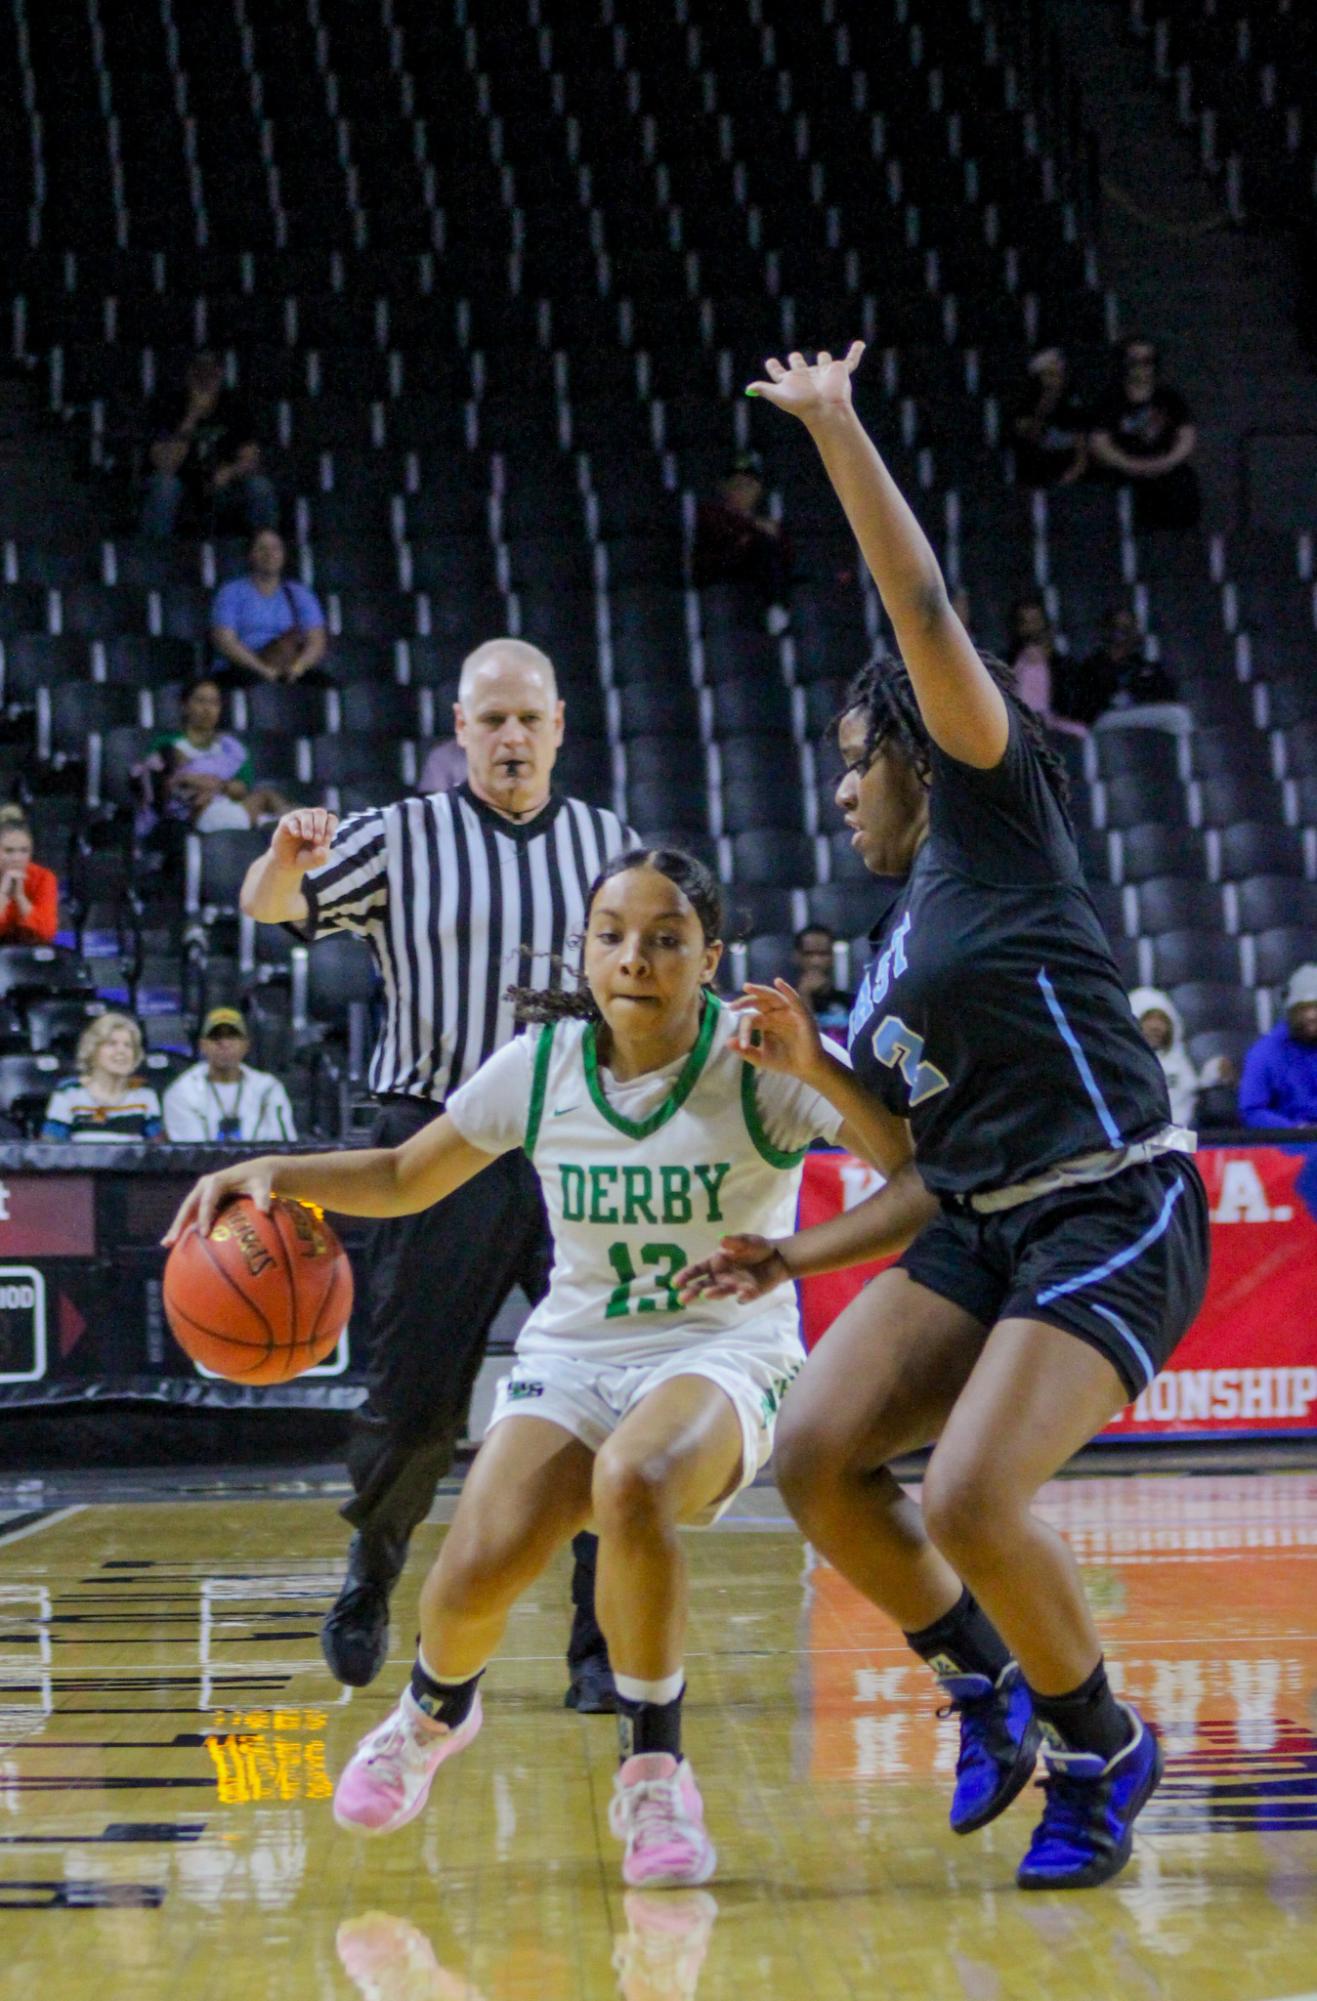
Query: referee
x=458, y=894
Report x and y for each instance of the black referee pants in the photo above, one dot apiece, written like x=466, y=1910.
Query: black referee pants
x=434, y=1283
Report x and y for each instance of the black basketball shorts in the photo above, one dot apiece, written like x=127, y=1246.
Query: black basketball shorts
x=1120, y=1263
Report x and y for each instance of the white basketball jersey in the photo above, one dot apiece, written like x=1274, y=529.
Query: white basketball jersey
x=631, y=1200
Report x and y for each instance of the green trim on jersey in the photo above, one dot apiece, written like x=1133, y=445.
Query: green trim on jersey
x=677, y=1096
x=754, y=1125
x=539, y=1084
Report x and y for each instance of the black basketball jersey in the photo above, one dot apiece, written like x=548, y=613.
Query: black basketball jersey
x=993, y=1017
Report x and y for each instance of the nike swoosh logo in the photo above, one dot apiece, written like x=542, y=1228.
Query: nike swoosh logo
x=561, y=1111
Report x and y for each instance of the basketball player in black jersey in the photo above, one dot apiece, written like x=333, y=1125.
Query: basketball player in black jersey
x=1059, y=1224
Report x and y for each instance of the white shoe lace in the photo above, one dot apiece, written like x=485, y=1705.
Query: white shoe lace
x=649, y=1812
x=389, y=1749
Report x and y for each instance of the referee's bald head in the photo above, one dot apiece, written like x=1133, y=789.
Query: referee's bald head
x=504, y=654
x=509, y=721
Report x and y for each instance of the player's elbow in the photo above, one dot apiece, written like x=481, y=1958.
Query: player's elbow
x=929, y=605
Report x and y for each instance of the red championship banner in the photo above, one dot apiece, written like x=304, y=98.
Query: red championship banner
x=1248, y=1363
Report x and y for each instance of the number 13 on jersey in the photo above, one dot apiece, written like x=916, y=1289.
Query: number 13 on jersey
x=671, y=1256
x=900, y=1047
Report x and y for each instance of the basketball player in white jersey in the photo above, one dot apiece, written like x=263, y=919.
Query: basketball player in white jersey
x=653, y=1139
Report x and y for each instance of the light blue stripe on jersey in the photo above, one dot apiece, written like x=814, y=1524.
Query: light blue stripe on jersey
x=1125, y=1257
x=1071, y=1040
x=1128, y=1335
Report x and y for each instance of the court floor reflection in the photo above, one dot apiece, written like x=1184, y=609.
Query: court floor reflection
x=169, y=1736
x=657, y=1958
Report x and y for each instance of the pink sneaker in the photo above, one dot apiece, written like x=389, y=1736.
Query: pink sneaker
x=657, y=1811
x=388, y=1780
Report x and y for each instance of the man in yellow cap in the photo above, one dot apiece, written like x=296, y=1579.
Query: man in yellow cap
x=221, y=1098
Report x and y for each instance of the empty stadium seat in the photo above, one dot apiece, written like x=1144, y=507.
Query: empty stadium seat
x=771, y=956
x=1215, y=1006
x=1257, y=848
x=839, y=905
x=26, y=1083
x=54, y=1025
x=294, y=708
x=1177, y=958
x=1152, y=849
x=753, y=908
x=216, y=866
x=31, y=972
x=1263, y=902
x=770, y=856
x=1173, y=902
x=1277, y=951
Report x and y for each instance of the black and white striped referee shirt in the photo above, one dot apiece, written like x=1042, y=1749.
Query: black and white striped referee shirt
x=457, y=904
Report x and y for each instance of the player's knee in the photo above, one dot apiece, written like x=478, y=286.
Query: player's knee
x=801, y=1463
x=815, y=1460
x=632, y=1493
x=967, y=1515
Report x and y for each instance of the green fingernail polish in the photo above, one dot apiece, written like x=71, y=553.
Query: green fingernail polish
x=752, y=392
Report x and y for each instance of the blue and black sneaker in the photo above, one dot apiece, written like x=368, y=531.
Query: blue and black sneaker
x=999, y=1744
x=1087, y=1829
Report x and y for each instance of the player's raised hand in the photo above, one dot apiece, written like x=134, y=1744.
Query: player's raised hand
x=812, y=391
x=776, y=1030
x=742, y=1268
x=301, y=839
x=204, y=1202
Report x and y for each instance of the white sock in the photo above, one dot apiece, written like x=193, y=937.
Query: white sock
x=657, y=1692
x=446, y=1680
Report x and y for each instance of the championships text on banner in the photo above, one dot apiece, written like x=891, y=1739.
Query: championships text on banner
x=1249, y=1362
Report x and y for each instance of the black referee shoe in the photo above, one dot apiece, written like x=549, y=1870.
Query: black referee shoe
x=355, y=1636
x=592, y=1692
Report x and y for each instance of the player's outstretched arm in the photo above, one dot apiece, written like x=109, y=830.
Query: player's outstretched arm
x=375, y=1181
x=745, y=1268
x=962, y=707
x=777, y=1031
x=272, y=888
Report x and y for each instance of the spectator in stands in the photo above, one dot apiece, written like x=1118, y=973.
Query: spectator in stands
x=202, y=776
x=1118, y=675
x=1279, y=1086
x=265, y=626
x=1031, y=629
x=736, y=542
x=1163, y=1030
x=1039, y=660
x=29, y=894
x=204, y=458
x=1051, y=425
x=444, y=768
x=1144, y=433
x=221, y=1098
x=815, y=981
x=107, y=1100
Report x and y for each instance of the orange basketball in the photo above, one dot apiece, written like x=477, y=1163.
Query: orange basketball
x=263, y=1297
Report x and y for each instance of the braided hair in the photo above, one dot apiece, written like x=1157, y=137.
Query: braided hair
x=576, y=1003
x=884, y=695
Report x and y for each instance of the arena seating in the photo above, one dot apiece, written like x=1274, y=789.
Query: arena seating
x=493, y=278
x=1246, y=78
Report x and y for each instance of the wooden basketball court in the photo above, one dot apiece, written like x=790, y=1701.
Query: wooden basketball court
x=169, y=1738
